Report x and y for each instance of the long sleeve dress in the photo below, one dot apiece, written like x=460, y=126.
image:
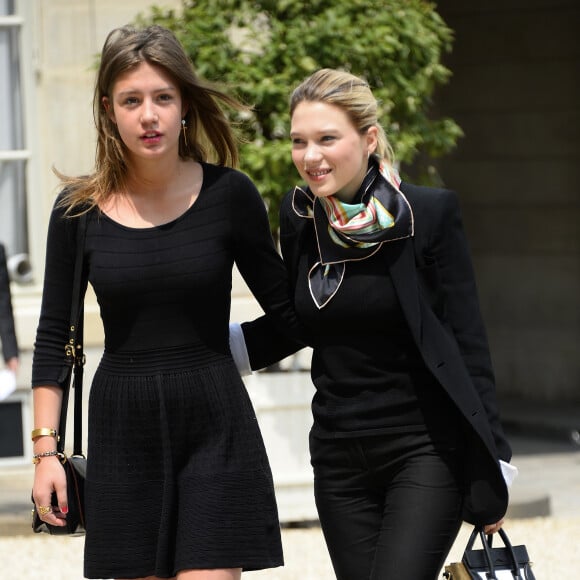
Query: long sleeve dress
x=177, y=476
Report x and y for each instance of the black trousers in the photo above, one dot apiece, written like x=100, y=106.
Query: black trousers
x=389, y=505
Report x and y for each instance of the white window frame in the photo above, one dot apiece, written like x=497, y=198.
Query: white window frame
x=24, y=18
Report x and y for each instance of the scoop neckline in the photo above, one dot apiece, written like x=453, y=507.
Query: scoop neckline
x=165, y=224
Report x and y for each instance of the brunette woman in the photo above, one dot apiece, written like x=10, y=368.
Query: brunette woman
x=178, y=482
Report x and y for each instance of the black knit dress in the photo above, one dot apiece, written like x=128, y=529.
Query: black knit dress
x=178, y=476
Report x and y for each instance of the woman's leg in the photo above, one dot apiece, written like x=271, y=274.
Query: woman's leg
x=149, y=578
x=222, y=574
x=350, y=511
x=422, y=512
x=214, y=574
x=389, y=506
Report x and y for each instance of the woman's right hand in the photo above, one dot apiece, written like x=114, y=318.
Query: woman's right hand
x=49, y=477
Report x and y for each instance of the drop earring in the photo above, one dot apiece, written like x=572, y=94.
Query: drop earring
x=184, y=129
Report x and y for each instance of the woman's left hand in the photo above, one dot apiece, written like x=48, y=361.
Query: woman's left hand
x=493, y=528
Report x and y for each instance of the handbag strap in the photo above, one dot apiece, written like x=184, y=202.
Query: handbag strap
x=74, y=356
x=504, y=538
x=486, y=541
x=478, y=532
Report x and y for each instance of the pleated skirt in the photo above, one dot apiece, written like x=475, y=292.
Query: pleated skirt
x=177, y=475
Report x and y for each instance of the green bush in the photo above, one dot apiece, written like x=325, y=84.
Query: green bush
x=260, y=50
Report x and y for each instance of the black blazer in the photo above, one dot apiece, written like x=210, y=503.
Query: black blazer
x=7, y=331
x=435, y=283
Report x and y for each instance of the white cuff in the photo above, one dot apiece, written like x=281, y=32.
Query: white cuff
x=239, y=350
x=7, y=383
x=509, y=472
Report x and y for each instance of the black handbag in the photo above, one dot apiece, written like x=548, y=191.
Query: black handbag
x=489, y=563
x=75, y=465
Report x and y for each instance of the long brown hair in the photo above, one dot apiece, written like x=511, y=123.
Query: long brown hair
x=209, y=134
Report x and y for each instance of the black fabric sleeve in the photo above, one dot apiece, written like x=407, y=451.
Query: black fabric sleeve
x=462, y=309
x=7, y=329
x=277, y=334
x=52, y=332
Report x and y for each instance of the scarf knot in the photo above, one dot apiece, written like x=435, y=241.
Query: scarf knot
x=353, y=231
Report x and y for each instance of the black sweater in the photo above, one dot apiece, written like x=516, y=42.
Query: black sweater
x=166, y=286
x=369, y=375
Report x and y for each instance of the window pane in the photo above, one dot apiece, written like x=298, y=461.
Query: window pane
x=13, y=230
x=10, y=94
x=6, y=7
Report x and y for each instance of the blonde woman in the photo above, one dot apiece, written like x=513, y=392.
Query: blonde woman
x=406, y=442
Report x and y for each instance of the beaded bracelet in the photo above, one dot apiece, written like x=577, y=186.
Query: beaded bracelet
x=36, y=458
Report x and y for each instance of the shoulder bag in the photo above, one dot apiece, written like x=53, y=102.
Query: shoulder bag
x=75, y=465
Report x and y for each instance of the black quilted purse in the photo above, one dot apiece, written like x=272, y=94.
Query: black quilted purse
x=75, y=466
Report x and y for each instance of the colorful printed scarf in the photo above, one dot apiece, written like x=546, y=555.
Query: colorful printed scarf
x=346, y=232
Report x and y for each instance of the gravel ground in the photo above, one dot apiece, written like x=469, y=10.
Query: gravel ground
x=552, y=545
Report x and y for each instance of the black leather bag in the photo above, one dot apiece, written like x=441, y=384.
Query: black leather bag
x=501, y=563
x=75, y=466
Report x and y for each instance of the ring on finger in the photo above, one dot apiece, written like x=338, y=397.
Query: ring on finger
x=44, y=509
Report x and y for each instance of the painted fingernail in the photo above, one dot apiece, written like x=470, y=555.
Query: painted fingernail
x=64, y=509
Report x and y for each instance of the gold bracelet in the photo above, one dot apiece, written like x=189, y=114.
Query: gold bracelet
x=36, y=458
x=43, y=432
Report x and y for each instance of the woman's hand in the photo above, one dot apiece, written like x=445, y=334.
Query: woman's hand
x=49, y=477
x=12, y=364
x=493, y=528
